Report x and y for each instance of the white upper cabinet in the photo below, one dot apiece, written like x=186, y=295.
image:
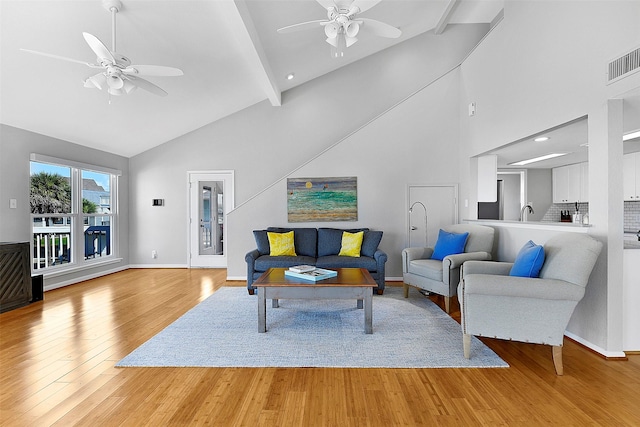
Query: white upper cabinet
x=570, y=183
x=631, y=176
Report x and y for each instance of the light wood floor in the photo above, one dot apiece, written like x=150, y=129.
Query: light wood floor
x=57, y=368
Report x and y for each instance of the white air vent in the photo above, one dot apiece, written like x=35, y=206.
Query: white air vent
x=624, y=66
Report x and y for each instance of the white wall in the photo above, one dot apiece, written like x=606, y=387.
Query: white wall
x=264, y=144
x=16, y=146
x=544, y=65
x=405, y=145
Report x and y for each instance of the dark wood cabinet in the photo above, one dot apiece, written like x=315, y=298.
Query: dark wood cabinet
x=15, y=276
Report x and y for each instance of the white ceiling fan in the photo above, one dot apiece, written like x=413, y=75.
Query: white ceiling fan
x=343, y=25
x=117, y=74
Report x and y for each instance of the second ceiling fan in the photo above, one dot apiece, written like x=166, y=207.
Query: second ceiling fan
x=343, y=24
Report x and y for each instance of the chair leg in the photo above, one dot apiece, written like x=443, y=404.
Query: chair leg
x=447, y=304
x=557, y=359
x=466, y=345
x=405, y=288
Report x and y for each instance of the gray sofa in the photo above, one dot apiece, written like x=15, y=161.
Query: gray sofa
x=319, y=247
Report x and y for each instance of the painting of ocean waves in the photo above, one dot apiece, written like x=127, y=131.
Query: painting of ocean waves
x=322, y=199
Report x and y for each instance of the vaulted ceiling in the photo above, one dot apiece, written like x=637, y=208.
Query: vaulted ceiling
x=230, y=52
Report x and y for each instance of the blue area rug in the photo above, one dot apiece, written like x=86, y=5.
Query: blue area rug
x=222, y=331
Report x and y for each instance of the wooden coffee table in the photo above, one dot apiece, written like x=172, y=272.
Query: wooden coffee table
x=350, y=283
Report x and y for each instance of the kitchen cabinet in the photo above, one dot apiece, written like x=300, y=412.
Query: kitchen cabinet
x=570, y=183
x=631, y=176
x=584, y=182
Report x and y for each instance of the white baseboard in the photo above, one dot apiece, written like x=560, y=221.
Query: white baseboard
x=83, y=278
x=237, y=278
x=597, y=349
x=158, y=266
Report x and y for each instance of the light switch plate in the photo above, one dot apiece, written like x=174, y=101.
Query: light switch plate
x=13, y=204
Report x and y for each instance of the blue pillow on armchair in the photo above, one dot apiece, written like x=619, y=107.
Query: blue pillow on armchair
x=449, y=244
x=529, y=261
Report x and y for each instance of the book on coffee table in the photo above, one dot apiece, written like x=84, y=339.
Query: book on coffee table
x=314, y=275
x=302, y=268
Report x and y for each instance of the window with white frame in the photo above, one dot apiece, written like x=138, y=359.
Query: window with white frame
x=73, y=211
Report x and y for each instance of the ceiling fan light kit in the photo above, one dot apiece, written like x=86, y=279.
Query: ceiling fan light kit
x=117, y=75
x=341, y=28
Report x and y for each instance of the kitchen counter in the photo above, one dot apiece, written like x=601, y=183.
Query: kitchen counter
x=538, y=225
x=510, y=236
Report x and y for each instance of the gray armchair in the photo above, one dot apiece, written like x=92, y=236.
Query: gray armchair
x=442, y=277
x=533, y=310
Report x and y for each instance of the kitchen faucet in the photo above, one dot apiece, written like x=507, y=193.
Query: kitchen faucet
x=523, y=209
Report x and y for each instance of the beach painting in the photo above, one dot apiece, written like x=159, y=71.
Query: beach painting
x=322, y=199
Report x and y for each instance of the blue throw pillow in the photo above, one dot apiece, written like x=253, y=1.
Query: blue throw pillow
x=449, y=244
x=529, y=261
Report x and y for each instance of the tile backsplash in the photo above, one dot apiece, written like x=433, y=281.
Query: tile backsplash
x=556, y=209
x=632, y=216
x=631, y=213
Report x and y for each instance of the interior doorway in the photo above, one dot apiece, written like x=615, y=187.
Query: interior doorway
x=210, y=200
x=434, y=207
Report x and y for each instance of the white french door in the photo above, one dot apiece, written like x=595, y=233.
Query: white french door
x=210, y=199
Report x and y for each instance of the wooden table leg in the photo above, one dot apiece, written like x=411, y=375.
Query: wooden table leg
x=262, y=309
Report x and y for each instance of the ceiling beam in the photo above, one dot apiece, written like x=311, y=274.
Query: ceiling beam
x=268, y=82
x=446, y=16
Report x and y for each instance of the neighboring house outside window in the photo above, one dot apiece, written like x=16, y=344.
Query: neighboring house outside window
x=74, y=213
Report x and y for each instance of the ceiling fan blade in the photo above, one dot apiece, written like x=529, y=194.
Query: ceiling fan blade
x=302, y=26
x=146, y=85
x=364, y=4
x=380, y=28
x=326, y=3
x=101, y=51
x=62, y=58
x=152, y=70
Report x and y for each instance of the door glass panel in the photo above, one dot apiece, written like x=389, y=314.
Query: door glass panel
x=206, y=240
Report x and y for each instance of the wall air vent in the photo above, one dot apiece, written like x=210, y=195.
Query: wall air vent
x=623, y=66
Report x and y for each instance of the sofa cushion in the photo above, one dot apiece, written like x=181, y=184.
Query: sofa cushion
x=281, y=244
x=330, y=240
x=351, y=244
x=265, y=262
x=262, y=241
x=305, y=239
x=449, y=244
x=336, y=261
x=370, y=242
x=528, y=261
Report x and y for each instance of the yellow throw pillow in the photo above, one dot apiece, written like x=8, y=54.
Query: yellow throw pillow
x=281, y=244
x=351, y=243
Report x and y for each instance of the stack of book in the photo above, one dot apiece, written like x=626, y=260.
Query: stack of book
x=309, y=272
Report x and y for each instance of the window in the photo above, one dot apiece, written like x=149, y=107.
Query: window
x=74, y=213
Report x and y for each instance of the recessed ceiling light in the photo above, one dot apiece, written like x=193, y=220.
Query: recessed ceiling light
x=631, y=135
x=537, y=159
x=541, y=139
x=290, y=76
